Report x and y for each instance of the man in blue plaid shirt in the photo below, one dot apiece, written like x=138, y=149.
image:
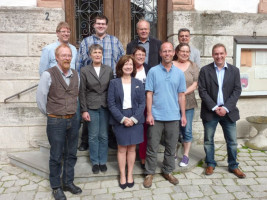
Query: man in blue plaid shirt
x=112, y=51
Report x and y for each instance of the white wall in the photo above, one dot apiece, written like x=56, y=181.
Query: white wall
x=18, y=3
x=235, y=6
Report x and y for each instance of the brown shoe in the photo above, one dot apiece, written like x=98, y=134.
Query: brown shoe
x=148, y=181
x=171, y=179
x=238, y=173
x=209, y=170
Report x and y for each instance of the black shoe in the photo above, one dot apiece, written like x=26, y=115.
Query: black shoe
x=123, y=186
x=58, y=194
x=83, y=147
x=142, y=166
x=95, y=169
x=72, y=189
x=103, y=168
x=130, y=185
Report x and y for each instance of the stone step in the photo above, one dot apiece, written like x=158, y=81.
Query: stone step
x=37, y=162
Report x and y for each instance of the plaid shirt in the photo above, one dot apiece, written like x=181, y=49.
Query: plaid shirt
x=112, y=51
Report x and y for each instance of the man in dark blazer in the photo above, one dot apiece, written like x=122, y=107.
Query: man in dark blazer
x=219, y=88
x=151, y=44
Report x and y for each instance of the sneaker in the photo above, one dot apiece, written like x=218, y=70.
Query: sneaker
x=95, y=169
x=184, y=161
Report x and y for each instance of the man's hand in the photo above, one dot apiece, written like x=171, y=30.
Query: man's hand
x=220, y=111
x=86, y=116
x=150, y=119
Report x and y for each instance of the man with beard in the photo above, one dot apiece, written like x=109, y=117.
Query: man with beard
x=112, y=51
x=48, y=58
x=56, y=98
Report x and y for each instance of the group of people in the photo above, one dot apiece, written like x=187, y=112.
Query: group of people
x=144, y=97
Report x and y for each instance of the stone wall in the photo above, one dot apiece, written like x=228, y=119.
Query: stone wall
x=24, y=31
x=209, y=28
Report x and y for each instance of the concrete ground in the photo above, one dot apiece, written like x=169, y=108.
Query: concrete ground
x=16, y=183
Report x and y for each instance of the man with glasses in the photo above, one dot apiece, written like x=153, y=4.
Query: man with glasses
x=112, y=51
x=48, y=58
x=150, y=44
x=56, y=98
x=184, y=37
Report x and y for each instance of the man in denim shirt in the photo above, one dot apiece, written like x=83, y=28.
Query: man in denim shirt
x=48, y=58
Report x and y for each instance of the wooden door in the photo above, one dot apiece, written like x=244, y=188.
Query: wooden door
x=119, y=15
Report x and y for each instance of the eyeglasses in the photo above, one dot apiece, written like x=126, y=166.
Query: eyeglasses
x=65, y=56
x=140, y=55
x=103, y=24
x=65, y=32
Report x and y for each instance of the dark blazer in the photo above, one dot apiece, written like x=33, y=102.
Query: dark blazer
x=208, y=91
x=154, y=47
x=93, y=89
x=115, y=100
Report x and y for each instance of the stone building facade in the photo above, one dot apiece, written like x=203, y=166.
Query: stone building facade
x=27, y=26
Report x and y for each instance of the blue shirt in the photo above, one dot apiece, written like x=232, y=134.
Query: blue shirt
x=48, y=57
x=112, y=51
x=220, y=77
x=165, y=87
x=146, y=46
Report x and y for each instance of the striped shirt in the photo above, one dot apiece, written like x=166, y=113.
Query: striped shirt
x=112, y=51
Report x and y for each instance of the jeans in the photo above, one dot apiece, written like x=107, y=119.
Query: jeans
x=187, y=130
x=63, y=138
x=98, y=135
x=170, y=130
x=229, y=131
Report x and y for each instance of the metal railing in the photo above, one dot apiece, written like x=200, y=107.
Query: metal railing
x=19, y=93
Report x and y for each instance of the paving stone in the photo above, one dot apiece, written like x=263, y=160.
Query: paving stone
x=201, y=181
x=74, y=198
x=44, y=183
x=261, y=162
x=206, y=189
x=179, y=176
x=246, y=181
x=109, y=183
x=162, y=190
x=251, y=162
x=12, y=189
x=25, y=174
x=161, y=197
x=250, y=175
x=44, y=189
x=142, y=193
x=8, y=184
x=261, y=174
x=179, y=196
x=43, y=195
x=22, y=182
x=29, y=187
x=10, y=196
x=1, y=190
x=92, y=185
x=163, y=184
x=185, y=182
x=177, y=189
x=198, y=170
x=228, y=181
x=220, y=152
x=242, y=195
x=190, y=188
x=113, y=190
x=191, y=175
x=146, y=198
x=99, y=191
x=2, y=174
x=258, y=154
x=222, y=197
x=139, y=180
x=25, y=195
x=258, y=188
x=194, y=194
x=262, y=195
x=215, y=175
x=244, y=158
x=238, y=188
x=247, y=169
x=9, y=178
x=219, y=189
x=86, y=193
x=260, y=168
x=261, y=180
x=217, y=181
x=35, y=178
x=12, y=170
x=243, y=154
x=123, y=195
x=259, y=158
x=102, y=197
x=222, y=163
x=89, y=198
x=219, y=157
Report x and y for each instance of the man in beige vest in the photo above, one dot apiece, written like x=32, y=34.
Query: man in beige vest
x=56, y=98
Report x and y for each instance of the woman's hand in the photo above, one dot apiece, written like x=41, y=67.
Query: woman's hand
x=86, y=116
x=128, y=122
